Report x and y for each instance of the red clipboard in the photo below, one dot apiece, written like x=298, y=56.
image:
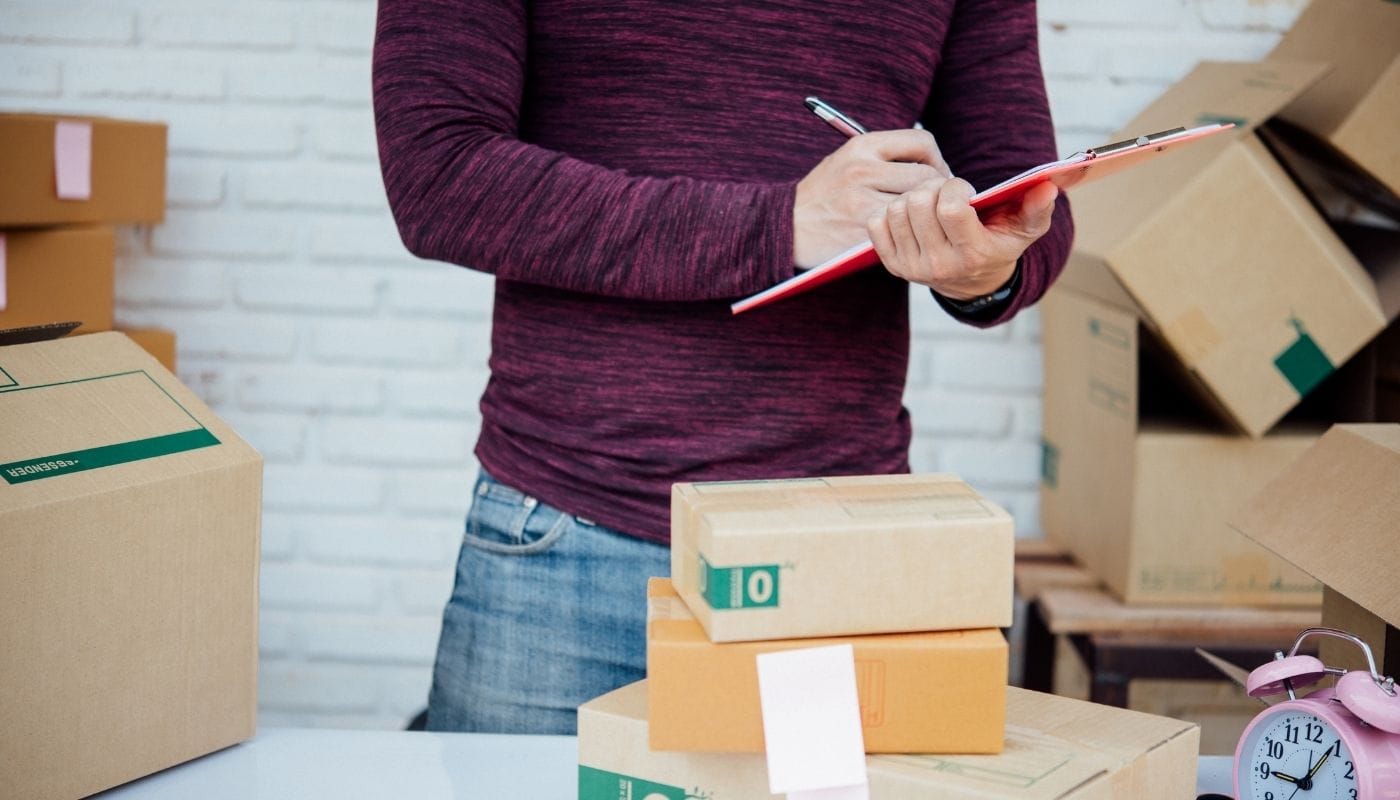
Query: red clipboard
x=1083, y=167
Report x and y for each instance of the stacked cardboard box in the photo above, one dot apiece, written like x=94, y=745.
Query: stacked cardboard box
x=1212, y=322
x=914, y=573
x=1055, y=749
x=67, y=180
x=1221, y=308
x=129, y=521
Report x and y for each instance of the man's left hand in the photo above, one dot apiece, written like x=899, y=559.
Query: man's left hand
x=932, y=236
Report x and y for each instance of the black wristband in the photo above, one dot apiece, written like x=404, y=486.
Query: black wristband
x=988, y=305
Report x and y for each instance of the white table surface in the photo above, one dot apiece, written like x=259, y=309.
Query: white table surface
x=283, y=763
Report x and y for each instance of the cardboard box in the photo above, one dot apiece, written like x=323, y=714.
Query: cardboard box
x=1143, y=499
x=1340, y=611
x=1056, y=749
x=158, y=342
x=126, y=171
x=840, y=556
x=1222, y=256
x=129, y=519
x=935, y=692
x=1220, y=708
x=1353, y=106
x=59, y=275
x=1333, y=512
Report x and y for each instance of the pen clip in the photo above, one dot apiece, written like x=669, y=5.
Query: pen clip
x=834, y=117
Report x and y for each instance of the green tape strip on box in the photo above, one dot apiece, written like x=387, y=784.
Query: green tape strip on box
x=1222, y=119
x=1303, y=364
x=1049, y=464
x=33, y=469
x=597, y=784
x=739, y=587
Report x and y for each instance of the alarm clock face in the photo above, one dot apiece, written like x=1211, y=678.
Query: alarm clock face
x=1291, y=754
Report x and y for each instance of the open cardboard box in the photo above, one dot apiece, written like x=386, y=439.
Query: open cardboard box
x=129, y=522
x=1223, y=257
x=1353, y=107
x=1056, y=749
x=1335, y=513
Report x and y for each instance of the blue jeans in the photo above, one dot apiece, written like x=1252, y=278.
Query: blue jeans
x=548, y=612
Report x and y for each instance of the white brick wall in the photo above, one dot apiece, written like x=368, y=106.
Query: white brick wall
x=356, y=369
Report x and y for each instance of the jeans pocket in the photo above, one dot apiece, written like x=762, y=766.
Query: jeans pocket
x=503, y=519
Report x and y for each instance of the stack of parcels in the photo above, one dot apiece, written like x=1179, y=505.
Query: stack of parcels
x=914, y=574
x=1221, y=308
x=67, y=180
x=129, y=524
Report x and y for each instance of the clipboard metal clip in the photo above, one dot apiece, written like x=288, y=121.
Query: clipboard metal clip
x=1130, y=144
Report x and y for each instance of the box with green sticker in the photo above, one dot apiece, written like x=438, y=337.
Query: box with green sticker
x=1056, y=749
x=129, y=522
x=1220, y=250
x=840, y=556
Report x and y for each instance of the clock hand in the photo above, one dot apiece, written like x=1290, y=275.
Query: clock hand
x=1284, y=777
x=1305, y=783
x=1319, y=764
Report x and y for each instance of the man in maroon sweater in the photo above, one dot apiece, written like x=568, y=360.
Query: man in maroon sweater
x=625, y=169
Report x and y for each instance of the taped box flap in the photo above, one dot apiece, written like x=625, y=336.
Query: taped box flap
x=1333, y=513
x=1359, y=38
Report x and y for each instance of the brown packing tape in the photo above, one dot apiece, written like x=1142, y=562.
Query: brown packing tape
x=1193, y=336
x=914, y=488
x=837, y=493
x=1246, y=578
x=667, y=608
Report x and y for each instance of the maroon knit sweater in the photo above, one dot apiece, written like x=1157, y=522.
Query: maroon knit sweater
x=626, y=168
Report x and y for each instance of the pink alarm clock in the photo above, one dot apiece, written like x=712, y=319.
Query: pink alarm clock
x=1340, y=743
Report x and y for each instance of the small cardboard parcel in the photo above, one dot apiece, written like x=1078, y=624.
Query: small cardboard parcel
x=129, y=522
x=116, y=166
x=938, y=692
x=841, y=556
x=58, y=275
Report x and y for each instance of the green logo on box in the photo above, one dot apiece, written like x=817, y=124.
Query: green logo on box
x=1303, y=364
x=597, y=784
x=1049, y=464
x=739, y=587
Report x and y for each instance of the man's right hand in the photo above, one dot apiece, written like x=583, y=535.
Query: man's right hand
x=836, y=198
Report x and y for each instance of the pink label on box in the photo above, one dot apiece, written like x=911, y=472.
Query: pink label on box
x=72, y=160
x=2, y=272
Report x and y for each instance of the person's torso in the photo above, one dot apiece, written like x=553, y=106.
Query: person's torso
x=598, y=405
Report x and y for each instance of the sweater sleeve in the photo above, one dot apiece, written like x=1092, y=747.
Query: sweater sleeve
x=448, y=79
x=989, y=112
